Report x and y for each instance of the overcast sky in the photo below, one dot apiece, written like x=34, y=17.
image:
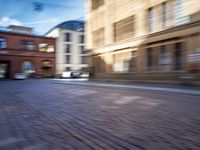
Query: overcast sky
x=42, y=15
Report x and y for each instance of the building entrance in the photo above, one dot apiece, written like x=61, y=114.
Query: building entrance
x=47, y=69
x=4, y=69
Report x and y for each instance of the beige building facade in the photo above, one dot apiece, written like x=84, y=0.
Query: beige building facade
x=144, y=40
x=71, y=54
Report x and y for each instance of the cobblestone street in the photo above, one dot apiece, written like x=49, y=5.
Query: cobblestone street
x=45, y=115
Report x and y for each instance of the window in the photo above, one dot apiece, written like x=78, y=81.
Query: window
x=23, y=44
x=81, y=38
x=150, y=19
x=50, y=48
x=150, y=66
x=67, y=37
x=82, y=50
x=178, y=56
x=46, y=63
x=44, y=47
x=67, y=69
x=164, y=14
x=98, y=37
x=68, y=48
x=28, y=68
x=3, y=70
x=97, y=3
x=27, y=45
x=126, y=64
x=133, y=61
x=180, y=12
x=68, y=59
x=121, y=61
x=124, y=29
x=164, y=59
x=83, y=59
x=2, y=43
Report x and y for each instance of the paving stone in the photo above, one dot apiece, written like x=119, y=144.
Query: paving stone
x=43, y=115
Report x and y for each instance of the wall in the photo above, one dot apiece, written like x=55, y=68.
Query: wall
x=113, y=11
x=75, y=63
x=16, y=55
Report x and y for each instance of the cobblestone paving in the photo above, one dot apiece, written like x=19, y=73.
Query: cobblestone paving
x=42, y=115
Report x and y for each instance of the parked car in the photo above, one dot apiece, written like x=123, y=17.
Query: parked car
x=20, y=76
x=67, y=74
x=76, y=74
x=85, y=75
x=73, y=74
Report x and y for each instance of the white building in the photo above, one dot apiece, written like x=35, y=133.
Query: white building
x=70, y=54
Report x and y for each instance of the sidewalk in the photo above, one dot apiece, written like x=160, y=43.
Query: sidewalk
x=153, y=87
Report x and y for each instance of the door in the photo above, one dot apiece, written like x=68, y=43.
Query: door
x=47, y=72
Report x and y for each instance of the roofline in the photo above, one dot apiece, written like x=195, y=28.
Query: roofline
x=56, y=27
x=23, y=34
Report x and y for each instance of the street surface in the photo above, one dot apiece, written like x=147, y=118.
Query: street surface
x=46, y=115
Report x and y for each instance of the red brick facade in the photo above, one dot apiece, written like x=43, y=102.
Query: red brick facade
x=14, y=55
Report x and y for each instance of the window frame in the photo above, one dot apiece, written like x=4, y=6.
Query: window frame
x=150, y=19
x=68, y=59
x=83, y=59
x=68, y=48
x=81, y=39
x=164, y=14
x=67, y=37
x=124, y=29
x=4, y=41
x=99, y=37
x=25, y=45
x=82, y=49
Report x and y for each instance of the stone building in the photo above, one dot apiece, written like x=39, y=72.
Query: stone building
x=23, y=52
x=71, y=54
x=146, y=40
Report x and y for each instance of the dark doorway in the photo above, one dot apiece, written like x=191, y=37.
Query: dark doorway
x=47, y=72
x=4, y=69
x=47, y=69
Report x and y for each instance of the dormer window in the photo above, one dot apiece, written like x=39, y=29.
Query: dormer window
x=2, y=43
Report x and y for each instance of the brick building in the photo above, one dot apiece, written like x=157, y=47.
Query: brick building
x=147, y=40
x=23, y=52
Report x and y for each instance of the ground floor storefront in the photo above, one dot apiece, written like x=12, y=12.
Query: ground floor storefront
x=33, y=67
x=168, y=55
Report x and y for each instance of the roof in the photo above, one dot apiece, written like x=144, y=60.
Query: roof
x=21, y=34
x=74, y=25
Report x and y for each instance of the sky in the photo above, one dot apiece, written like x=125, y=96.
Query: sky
x=42, y=15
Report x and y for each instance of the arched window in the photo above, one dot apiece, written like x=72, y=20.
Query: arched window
x=27, y=67
x=46, y=63
x=2, y=43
